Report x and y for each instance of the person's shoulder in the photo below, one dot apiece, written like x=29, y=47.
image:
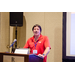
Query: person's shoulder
x=44, y=36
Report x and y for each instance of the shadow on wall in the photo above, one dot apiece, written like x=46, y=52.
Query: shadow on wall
x=21, y=34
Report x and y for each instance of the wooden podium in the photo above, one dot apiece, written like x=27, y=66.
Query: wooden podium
x=14, y=57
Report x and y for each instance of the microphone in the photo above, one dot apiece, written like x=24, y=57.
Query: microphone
x=13, y=43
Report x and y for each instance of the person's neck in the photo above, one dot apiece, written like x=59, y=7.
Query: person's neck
x=36, y=37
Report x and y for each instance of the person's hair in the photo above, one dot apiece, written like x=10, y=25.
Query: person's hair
x=38, y=26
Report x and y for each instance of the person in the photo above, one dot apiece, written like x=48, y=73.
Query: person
x=38, y=44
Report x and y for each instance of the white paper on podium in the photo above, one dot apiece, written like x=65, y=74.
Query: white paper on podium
x=22, y=51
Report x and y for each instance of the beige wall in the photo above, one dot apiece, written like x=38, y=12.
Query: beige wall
x=4, y=31
x=51, y=23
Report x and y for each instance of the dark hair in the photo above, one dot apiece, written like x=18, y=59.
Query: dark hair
x=38, y=26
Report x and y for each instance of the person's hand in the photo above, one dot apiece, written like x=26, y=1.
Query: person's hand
x=41, y=55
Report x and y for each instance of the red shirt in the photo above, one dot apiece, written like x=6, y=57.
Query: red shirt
x=41, y=45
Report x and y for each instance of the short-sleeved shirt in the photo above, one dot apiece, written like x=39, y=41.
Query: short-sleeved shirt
x=41, y=45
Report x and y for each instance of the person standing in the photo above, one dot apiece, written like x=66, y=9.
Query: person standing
x=38, y=44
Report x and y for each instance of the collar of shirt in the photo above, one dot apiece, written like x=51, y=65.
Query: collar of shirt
x=38, y=38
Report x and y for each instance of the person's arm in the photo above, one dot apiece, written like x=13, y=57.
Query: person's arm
x=47, y=50
x=47, y=47
x=27, y=44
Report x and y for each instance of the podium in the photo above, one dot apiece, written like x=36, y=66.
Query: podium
x=14, y=57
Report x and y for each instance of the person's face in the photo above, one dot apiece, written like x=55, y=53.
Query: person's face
x=36, y=31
